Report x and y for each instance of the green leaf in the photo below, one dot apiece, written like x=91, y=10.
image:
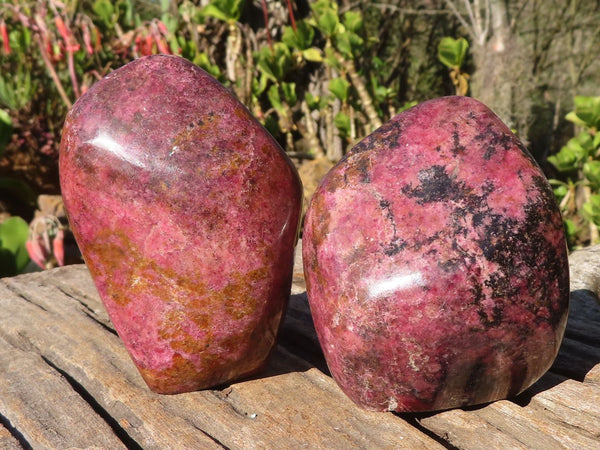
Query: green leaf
x=315, y=102
x=342, y=122
x=326, y=16
x=202, y=60
x=127, y=13
x=328, y=23
x=574, y=154
x=302, y=38
x=452, y=52
x=564, y=161
x=586, y=113
x=5, y=130
x=339, y=88
x=561, y=191
x=259, y=85
x=289, y=93
x=591, y=209
x=596, y=140
x=331, y=59
x=274, y=97
x=105, y=10
x=20, y=39
x=13, y=236
x=212, y=10
x=228, y=11
x=275, y=63
x=312, y=54
x=591, y=170
x=570, y=228
x=405, y=106
x=353, y=21
x=347, y=43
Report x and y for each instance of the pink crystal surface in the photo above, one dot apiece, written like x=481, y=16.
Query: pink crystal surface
x=436, y=263
x=186, y=211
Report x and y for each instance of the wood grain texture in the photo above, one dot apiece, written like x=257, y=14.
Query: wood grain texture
x=62, y=361
x=68, y=382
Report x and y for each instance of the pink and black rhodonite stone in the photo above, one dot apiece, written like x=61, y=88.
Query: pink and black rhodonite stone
x=186, y=211
x=436, y=263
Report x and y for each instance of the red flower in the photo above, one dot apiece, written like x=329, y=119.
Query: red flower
x=5, y=39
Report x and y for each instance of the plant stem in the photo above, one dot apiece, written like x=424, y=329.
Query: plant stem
x=53, y=75
x=361, y=90
x=72, y=74
x=310, y=133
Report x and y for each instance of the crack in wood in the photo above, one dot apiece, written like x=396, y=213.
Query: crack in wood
x=15, y=290
x=4, y=421
x=112, y=422
x=99, y=322
x=443, y=440
x=89, y=312
x=212, y=438
x=76, y=294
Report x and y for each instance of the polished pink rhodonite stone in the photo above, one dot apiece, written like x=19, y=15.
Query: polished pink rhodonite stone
x=186, y=211
x=436, y=263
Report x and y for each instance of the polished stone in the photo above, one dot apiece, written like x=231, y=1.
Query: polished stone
x=436, y=262
x=186, y=211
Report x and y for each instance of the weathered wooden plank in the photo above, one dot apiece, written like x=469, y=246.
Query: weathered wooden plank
x=593, y=375
x=56, y=330
x=555, y=413
x=465, y=430
x=43, y=406
x=574, y=404
x=57, y=315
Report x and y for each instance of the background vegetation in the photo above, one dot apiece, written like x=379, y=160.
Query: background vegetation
x=320, y=74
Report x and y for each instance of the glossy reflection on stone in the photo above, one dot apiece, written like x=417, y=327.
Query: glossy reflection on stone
x=436, y=263
x=186, y=211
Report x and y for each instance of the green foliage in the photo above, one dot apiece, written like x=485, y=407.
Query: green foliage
x=342, y=122
x=576, y=152
x=452, y=52
x=339, y=87
x=274, y=63
x=13, y=252
x=201, y=60
x=301, y=38
x=332, y=74
x=353, y=21
x=586, y=113
x=591, y=171
x=17, y=86
x=579, y=164
x=591, y=209
x=226, y=10
x=105, y=11
x=5, y=130
x=325, y=17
